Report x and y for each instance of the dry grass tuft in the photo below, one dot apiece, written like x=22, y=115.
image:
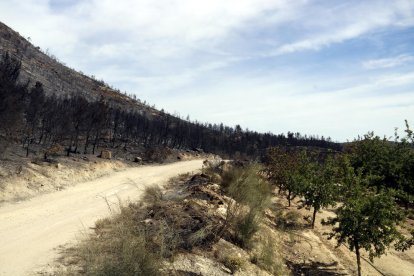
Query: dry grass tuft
x=289, y=220
x=252, y=195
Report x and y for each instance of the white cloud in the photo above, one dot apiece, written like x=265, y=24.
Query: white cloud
x=387, y=62
x=321, y=40
x=281, y=105
x=346, y=21
x=169, y=29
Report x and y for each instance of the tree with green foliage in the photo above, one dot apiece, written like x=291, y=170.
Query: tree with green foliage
x=283, y=169
x=367, y=219
x=389, y=164
x=409, y=133
x=318, y=182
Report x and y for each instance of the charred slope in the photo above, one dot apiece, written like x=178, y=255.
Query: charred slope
x=57, y=105
x=58, y=79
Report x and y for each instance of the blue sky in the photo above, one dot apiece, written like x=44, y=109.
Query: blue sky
x=333, y=68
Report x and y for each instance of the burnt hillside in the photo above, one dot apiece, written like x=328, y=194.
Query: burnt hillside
x=45, y=103
x=57, y=78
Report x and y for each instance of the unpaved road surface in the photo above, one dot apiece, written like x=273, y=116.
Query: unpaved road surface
x=31, y=230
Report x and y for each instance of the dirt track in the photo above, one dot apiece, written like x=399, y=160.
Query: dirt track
x=31, y=230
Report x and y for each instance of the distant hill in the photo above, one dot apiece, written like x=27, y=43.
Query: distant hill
x=57, y=78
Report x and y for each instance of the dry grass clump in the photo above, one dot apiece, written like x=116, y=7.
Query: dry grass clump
x=190, y=222
x=246, y=187
x=289, y=220
x=234, y=263
x=244, y=223
x=121, y=247
x=252, y=195
x=152, y=195
x=136, y=241
x=266, y=257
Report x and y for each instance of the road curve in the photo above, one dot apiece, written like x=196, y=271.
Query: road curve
x=31, y=230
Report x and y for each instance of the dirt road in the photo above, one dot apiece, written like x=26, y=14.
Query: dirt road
x=31, y=230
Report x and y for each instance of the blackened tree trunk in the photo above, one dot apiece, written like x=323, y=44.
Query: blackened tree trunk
x=315, y=210
x=85, y=149
x=95, y=143
x=358, y=256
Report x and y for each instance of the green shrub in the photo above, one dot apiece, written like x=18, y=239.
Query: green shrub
x=252, y=195
x=247, y=187
x=230, y=176
x=234, y=263
x=245, y=226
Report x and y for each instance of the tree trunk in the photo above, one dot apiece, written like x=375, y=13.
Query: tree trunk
x=85, y=149
x=76, y=141
x=42, y=132
x=289, y=197
x=69, y=147
x=28, y=148
x=314, y=217
x=95, y=143
x=358, y=256
x=29, y=141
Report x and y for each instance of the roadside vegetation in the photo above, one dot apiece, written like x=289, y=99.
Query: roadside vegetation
x=252, y=195
x=371, y=182
x=218, y=214
x=226, y=216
